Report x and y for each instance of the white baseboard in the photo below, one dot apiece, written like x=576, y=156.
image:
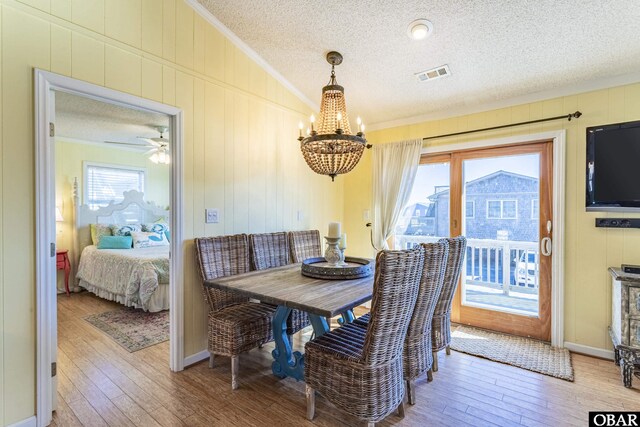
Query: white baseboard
x=195, y=358
x=589, y=351
x=29, y=422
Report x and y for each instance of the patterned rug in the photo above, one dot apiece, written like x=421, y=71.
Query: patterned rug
x=525, y=353
x=133, y=329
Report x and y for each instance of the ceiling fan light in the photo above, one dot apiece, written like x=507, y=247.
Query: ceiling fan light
x=161, y=157
x=154, y=158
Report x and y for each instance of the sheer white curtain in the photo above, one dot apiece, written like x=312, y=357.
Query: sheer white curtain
x=394, y=171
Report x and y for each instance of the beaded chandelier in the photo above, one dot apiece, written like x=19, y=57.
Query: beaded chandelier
x=330, y=148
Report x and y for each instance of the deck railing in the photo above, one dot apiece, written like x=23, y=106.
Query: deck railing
x=492, y=263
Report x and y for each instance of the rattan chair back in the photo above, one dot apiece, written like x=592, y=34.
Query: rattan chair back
x=220, y=257
x=305, y=244
x=269, y=250
x=441, y=316
x=395, y=290
x=417, y=357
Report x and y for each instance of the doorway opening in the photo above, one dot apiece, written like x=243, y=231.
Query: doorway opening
x=108, y=191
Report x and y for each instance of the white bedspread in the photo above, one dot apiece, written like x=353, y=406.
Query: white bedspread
x=130, y=275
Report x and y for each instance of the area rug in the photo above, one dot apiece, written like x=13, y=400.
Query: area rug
x=133, y=329
x=522, y=352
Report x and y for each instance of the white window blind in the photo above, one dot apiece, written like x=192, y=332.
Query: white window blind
x=104, y=184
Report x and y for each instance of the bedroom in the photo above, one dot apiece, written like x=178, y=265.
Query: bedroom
x=112, y=176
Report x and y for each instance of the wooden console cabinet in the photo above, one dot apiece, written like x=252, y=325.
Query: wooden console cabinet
x=625, y=322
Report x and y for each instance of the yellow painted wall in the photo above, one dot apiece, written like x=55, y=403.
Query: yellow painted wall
x=589, y=251
x=240, y=129
x=70, y=158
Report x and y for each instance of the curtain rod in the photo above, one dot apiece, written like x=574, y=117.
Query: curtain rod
x=576, y=115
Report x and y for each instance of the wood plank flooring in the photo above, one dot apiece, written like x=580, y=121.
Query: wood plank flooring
x=101, y=384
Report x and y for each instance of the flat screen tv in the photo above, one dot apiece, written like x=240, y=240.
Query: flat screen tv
x=613, y=167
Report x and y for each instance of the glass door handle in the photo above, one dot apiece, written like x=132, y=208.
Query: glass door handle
x=545, y=246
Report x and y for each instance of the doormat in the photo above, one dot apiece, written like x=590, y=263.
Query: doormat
x=526, y=353
x=133, y=329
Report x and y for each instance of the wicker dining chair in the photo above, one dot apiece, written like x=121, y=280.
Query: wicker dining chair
x=360, y=369
x=235, y=325
x=305, y=244
x=441, y=323
x=416, y=354
x=271, y=250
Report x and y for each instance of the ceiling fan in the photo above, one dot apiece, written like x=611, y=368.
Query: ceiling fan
x=159, y=147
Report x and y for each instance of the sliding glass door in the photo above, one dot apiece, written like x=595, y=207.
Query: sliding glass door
x=500, y=199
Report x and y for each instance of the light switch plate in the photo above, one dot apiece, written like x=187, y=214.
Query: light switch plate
x=211, y=216
x=300, y=215
x=366, y=215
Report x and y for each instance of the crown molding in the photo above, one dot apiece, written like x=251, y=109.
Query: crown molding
x=587, y=86
x=252, y=54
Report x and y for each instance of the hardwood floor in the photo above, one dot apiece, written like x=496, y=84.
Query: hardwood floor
x=101, y=384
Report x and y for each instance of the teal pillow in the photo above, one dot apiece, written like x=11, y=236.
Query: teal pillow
x=115, y=242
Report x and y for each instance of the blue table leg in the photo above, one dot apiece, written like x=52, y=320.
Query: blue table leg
x=319, y=323
x=347, y=317
x=288, y=363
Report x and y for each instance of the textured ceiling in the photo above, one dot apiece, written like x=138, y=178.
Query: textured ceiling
x=90, y=120
x=497, y=50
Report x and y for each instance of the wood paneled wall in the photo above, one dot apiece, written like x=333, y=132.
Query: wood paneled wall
x=240, y=128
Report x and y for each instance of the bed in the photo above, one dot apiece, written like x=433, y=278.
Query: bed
x=136, y=277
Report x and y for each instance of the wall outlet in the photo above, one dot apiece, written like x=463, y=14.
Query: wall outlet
x=211, y=216
x=300, y=215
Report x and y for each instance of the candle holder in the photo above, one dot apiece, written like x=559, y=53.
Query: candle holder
x=332, y=253
x=342, y=260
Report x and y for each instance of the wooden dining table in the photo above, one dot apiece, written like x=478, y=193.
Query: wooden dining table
x=286, y=288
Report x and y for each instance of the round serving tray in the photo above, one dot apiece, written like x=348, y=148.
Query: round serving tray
x=319, y=268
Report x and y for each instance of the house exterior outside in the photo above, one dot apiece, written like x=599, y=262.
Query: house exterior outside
x=502, y=205
x=417, y=220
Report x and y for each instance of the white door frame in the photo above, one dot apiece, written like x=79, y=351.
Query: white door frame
x=557, y=249
x=46, y=309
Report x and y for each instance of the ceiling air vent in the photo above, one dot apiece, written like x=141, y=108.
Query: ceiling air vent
x=434, y=73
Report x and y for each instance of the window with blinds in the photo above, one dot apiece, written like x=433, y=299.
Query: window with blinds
x=106, y=183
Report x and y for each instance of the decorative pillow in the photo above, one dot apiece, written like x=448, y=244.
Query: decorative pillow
x=125, y=230
x=115, y=242
x=99, y=230
x=147, y=239
x=158, y=227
